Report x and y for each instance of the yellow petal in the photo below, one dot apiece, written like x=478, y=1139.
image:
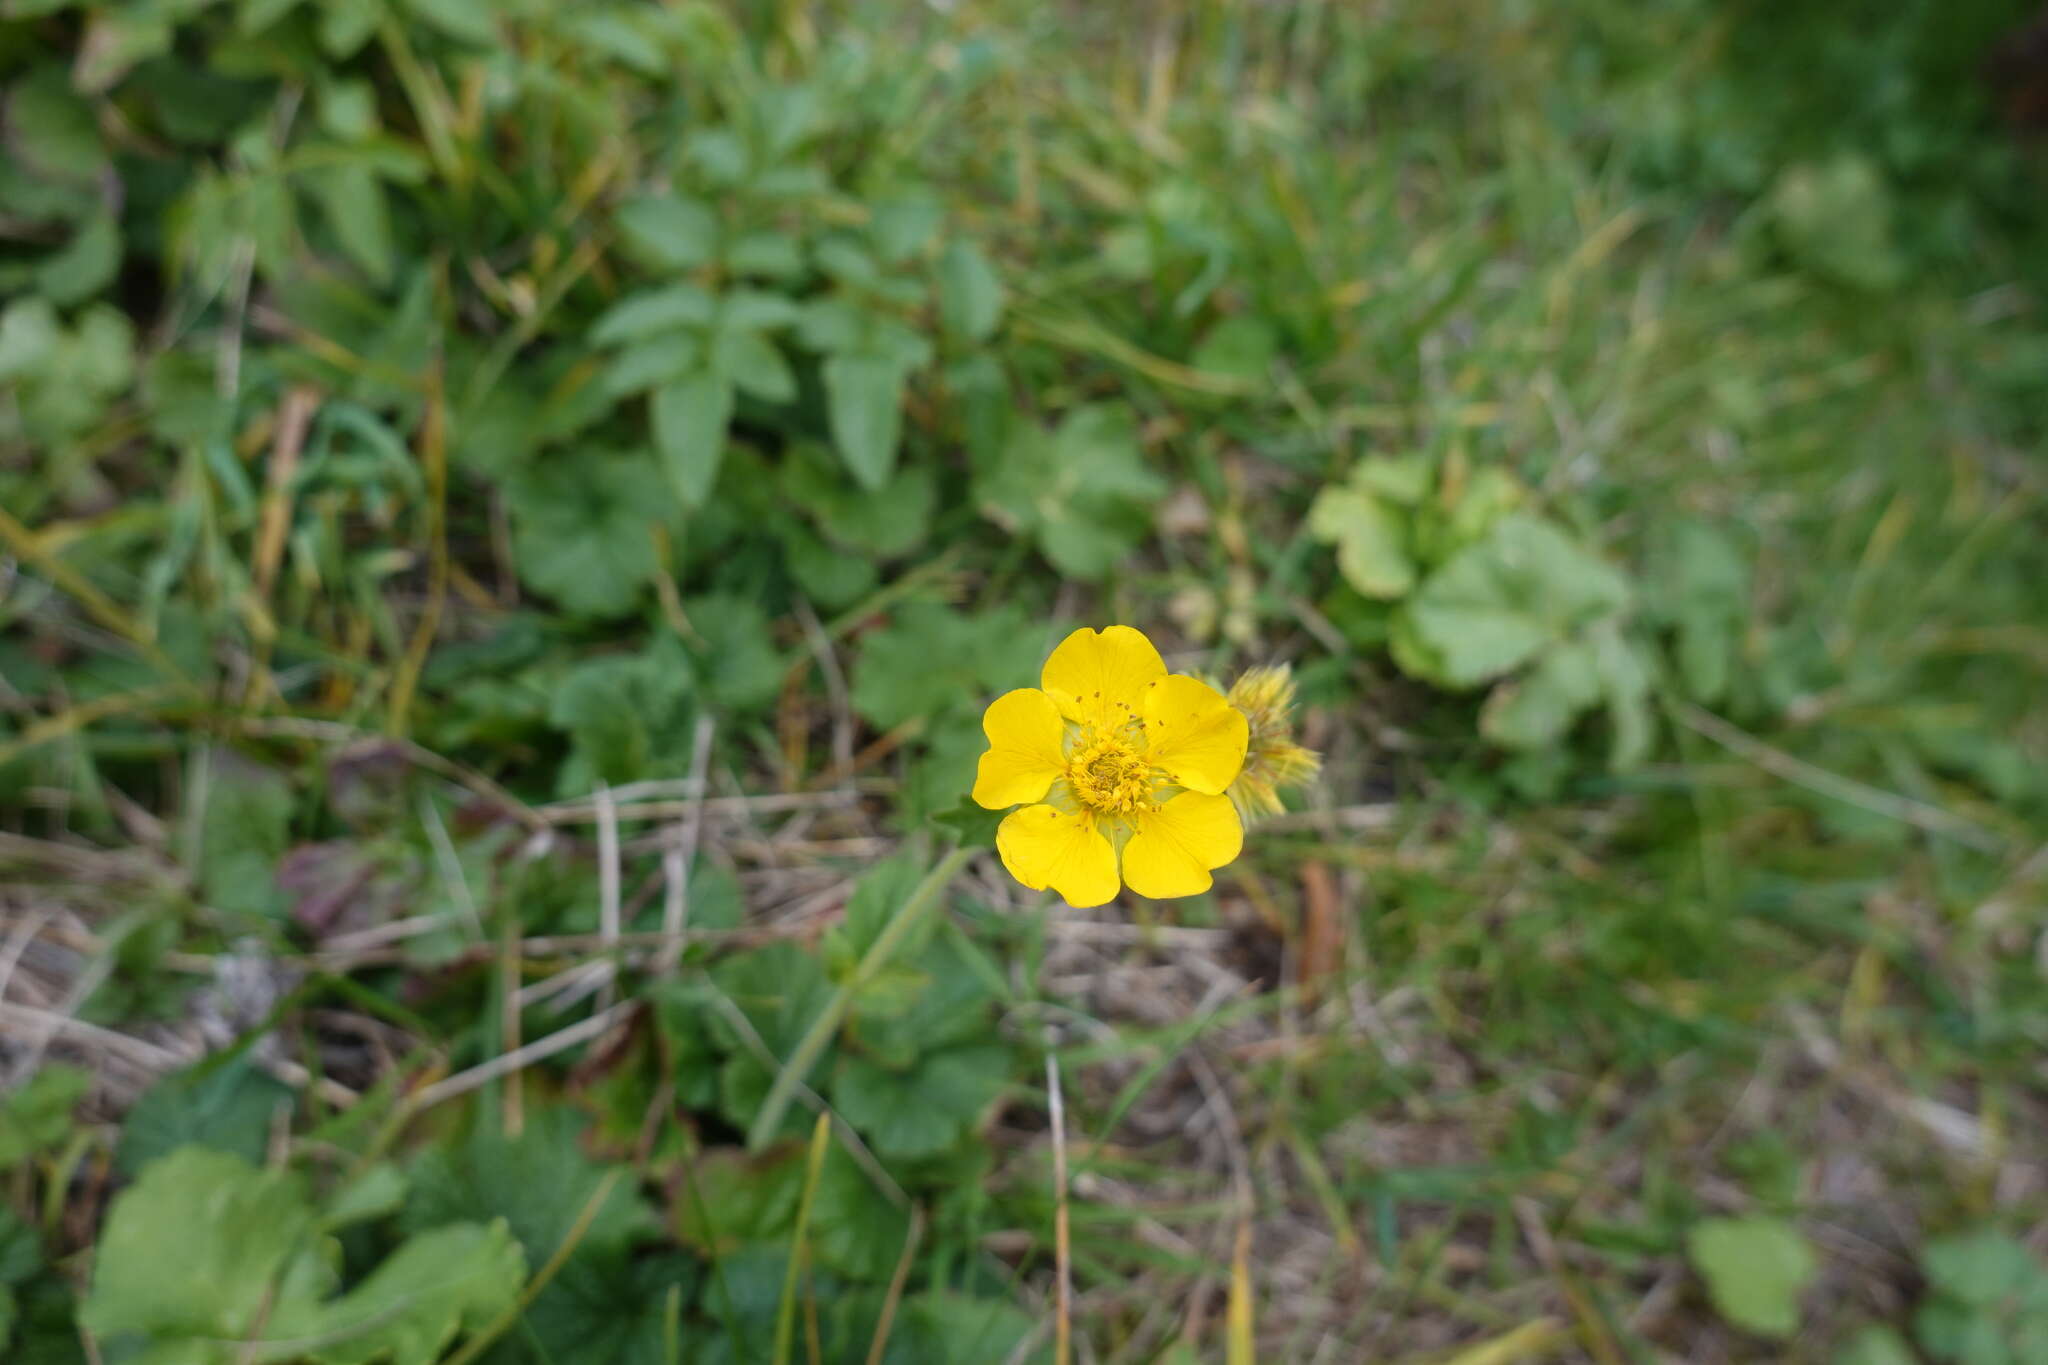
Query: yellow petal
x=1099, y=677
x=1024, y=756
x=1177, y=845
x=1044, y=847
x=1192, y=733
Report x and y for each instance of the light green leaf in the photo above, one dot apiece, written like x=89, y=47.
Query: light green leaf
x=377, y=1192
x=864, y=396
x=413, y=1304
x=246, y=1255
x=1242, y=347
x=1534, y=711
x=1371, y=540
x=735, y=650
x=1979, y=1268
x=970, y=292
x=690, y=417
x=669, y=231
x=901, y=224
x=52, y=129
x=37, y=1116
x=473, y=21
x=1755, y=1269
x=653, y=311
x=1835, y=218
x=1496, y=604
x=1876, y=1345
x=770, y=255
x=930, y=659
x=1083, y=490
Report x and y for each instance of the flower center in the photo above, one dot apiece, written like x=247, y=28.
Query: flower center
x=1110, y=777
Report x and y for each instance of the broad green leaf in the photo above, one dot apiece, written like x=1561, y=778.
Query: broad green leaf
x=653, y=311
x=855, y=1229
x=669, y=231
x=901, y=224
x=246, y=1255
x=1980, y=1268
x=881, y=891
x=435, y=1285
x=86, y=264
x=628, y=716
x=37, y=1116
x=690, y=416
x=377, y=1192
x=614, y=1308
x=538, y=1182
x=770, y=255
x=348, y=109
x=931, y=659
x=1534, y=711
x=1755, y=1269
x=864, y=395
x=1497, y=603
x=52, y=129
x=1835, y=218
x=1371, y=540
x=1876, y=1345
x=970, y=292
x=583, y=528
x=230, y=1108
x=21, y=1247
x=1083, y=490
x=738, y=1197
x=1625, y=681
x=755, y=310
x=30, y=333
x=922, y=1109
x=942, y=1324
x=887, y=521
x=734, y=650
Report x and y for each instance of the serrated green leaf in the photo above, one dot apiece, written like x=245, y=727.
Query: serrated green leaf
x=415, y=1303
x=735, y=650
x=230, y=1108
x=931, y=659
x=1755, y=1269
x=246, y=1256
x=582, y=528
x=921, y=1109
x=1535, y=711
x=1496, y=604
x=1083, y=490
x=690, y=416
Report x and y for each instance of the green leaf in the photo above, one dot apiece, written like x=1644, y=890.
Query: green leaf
x=1755, y=1269
x=21, y=1247
x=669, y=231
x=855, y=1229
x=1876, y=1345
x=970, y=293
x=1083, y=490
x=243, y=831
x=412, y=1305
x=1835, y=218
x=735, y=650
x=864, y=397
x=1535, y=711
x=770, y=255
x=51, y=129
x=628, y=716
x=582, y=528
x=901, y=224
x=1979, y=1268
x=887, y=521
x=377, y=1192
x=690, y=417
x=1243, y=347
x=473, y=21
x=537, y=1182
x=1496, y=604
x=653, y=311
x=1371, y=540
x=932, y=659
x=755, y=364
x=230, y=1107
x=922, y=1109
x=943, y=1324
x=87, y=263
x=738, y=1197
x=245, y=1257
x=352, y=197
x=657, y=360
x=37, y=1116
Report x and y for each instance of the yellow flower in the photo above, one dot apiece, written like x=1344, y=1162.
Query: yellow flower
x=1272, y=758
x=1116, y=755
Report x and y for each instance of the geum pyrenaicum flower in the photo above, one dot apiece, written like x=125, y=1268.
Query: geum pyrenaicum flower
x=1118, y=760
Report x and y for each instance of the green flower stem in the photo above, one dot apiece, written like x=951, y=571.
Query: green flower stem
x=827, y=1023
